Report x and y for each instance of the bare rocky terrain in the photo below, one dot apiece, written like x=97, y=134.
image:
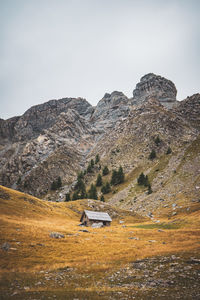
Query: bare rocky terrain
x=59, y=137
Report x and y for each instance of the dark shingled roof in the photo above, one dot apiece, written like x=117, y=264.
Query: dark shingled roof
x=96, y=215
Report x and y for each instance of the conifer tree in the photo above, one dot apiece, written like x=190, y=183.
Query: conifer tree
x=99, y=180
x=169, y=150
x=80, y=175
x=149, y=189
x=97, y=159
x=92, y=163
x=102, y=199
x=152, y=155
x=92, y=193
x=89, y=169
x=59, y=182
x=105, y=171
x=141, y=179
x=106, y=188
x=83, y=194
x=67, y=197
x=53, y=186
x=120, y=175
x=114, y=179
x=75, y=196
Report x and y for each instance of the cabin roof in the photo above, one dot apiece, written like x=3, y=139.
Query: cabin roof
x=96, y=215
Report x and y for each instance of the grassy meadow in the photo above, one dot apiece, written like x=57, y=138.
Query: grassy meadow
x=80, y=265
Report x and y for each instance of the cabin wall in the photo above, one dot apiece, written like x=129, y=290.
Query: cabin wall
x=105, y=223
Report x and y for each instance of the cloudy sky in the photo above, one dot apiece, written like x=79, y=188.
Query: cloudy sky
x=50, y=49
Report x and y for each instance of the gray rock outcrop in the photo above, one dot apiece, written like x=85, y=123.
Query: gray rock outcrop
x=152, y=85
x=111, y=108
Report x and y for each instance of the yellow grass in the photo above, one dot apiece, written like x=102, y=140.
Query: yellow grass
x=26, y=223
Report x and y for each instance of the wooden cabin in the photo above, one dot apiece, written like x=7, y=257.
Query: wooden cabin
x=90, y=217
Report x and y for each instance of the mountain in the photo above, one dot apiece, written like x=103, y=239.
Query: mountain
x=60, y=137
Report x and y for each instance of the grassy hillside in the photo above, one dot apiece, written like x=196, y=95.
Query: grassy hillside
x=85, y=265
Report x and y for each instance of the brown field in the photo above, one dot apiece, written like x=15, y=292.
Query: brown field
x=80, y=265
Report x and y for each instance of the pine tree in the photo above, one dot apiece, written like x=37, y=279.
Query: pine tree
x=92, y=193
x=79, y=185
x=80, y=188
x=149, y=189
x=106, y=188
x=83, y=194
x=152, y=155
x=102, y=199
x=105, y=171
x=80, y=175
x=99, y=180
x=67, y=197
x=92, y=163
x=120, y=175
x=97, y=159
x=54, y=186
x=169, y=150
x=59, y=182
x=114, y=179
x=89, y=169
x=75, y=196
x=141, y=179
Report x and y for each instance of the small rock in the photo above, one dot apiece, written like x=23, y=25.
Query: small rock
x=5, y=246
x=174, y=213
x=56, y=235
x=84, y=230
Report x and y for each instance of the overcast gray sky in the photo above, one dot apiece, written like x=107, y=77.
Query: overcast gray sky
x=51, y=49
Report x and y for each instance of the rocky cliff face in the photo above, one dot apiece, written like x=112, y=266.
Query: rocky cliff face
x=59, y=137
x=40, y=117
x=111, y=108
x=189, y=109
x=152, y=85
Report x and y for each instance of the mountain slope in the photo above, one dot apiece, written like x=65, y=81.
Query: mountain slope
x=60, y=137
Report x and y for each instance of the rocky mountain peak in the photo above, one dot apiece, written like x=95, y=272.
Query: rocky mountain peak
x=109, y=109
x=155, y=86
